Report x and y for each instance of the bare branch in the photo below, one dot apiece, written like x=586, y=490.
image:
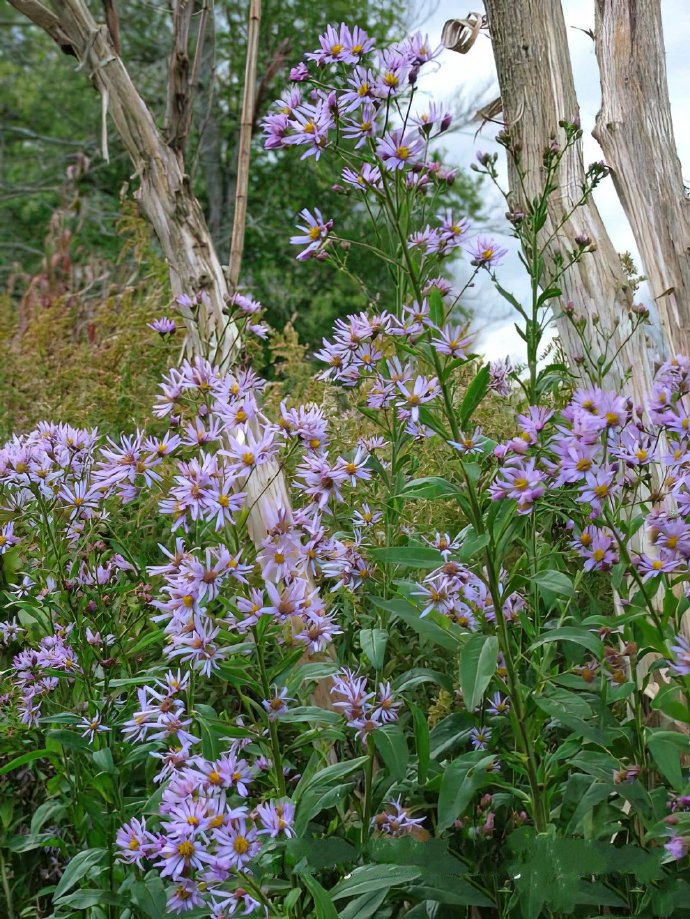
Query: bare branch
x=41, y=16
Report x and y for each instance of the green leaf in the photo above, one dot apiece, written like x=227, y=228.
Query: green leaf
x=391, y=743
x=666, y=748
x=313, y=714
x=364, y=907
x=578, y=636
x=33, y=841
x=326, y=852
x=461, y=780
x=149, y=896
x=328, y=775
x=429, y=488
x=104, y=761
x=323, y=901
x=77, y=868
x=418, y=675
x=374, y=877
x=373, y=644
x=69, y=739
x=425, y=627
x=23, y=760
x=472, y=544
x=553, y=582
x=85, y=899
x=477, y=666
x=44, y=812
x=408, y=556
x=474, y=395
x=436, y=307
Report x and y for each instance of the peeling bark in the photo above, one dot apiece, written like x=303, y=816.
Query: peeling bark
x=537, y=89
x=635, y=131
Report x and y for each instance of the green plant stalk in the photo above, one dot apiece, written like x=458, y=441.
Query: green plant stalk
x=272, y=727
x=6, y=886
x=368, y=789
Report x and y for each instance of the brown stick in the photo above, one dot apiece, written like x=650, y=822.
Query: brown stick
x=239, y=221
x=635, y=130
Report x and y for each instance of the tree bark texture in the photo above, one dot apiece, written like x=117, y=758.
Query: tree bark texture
x=635, y=131
x=173, y=211
x=537, y=90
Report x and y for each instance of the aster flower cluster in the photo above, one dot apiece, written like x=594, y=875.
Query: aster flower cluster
x=356, y=100
x=456, y=591
x=365, y=711
x=208, y=837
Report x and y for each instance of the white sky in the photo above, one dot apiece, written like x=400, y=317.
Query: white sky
x=474, y=73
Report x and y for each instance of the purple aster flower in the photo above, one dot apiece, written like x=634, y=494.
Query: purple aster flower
x=239, y=843
x=353, y=690
x=480, y=737
x=486, y=252
x=453, y=342
x=184, y=897
x=677, y=847
x=277, y=705
x=681, y=656
x=92, y=727
x=362, y=91
x=7, y=537
x=433, y=117
x=319, y=629
x=340, y=45
x=395, y=820
x=395, y=66
x=314, y=235
x=300, y=73
x=420, y=49
x=500, y=377
x=276, y=817
x=599, y=485
x=309, y=126
x=363, y=127
x=385, y=706
x=180, y=855
x=164, y=326
x=398, y=150
x=650, y=567
x=131, y=840
x=598, y=547
x=499, y=704
x=521, y=482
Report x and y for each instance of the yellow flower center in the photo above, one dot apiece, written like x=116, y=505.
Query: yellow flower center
x=241, y=845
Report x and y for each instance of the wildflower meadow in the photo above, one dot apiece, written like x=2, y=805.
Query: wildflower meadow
x=416, y=648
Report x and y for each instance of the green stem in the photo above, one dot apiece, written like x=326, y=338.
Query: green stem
x=272, y=727
x=368, y=789
x=6, y=887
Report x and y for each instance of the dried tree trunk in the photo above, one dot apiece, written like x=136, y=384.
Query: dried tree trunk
x=167, y=201
x=537, y=90
x=635, y=130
